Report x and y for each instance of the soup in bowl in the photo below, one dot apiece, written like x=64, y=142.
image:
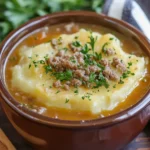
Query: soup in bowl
x=65, y=76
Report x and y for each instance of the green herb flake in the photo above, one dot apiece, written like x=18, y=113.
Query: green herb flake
x=98, y=56
x=92, y=41
x=57, y=92
x=121, y=81
x=76, y=91
x=35, y=63
x=114, y=86
x=42, y=62
x=67, y=75
x=132, y=74
x=76, y=37
x=76, y=43
x=130, y=64
x=46, y=57
x=59, y=40
x=85, y=49
x=111, y=38
x=48, y=68
x=67, y=100
x=87, y=96
x=92, y=77
x=30, y=66
x=65, y=49
x=104, y=47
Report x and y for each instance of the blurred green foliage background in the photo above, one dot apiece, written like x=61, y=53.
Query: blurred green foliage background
x=13, y=13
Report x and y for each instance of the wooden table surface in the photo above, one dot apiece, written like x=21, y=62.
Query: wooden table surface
x=142, y=142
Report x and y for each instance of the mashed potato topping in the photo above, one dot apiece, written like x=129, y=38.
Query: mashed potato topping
x=84, y=71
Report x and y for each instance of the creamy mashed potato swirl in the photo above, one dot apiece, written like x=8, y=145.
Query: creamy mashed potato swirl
x=30, y=77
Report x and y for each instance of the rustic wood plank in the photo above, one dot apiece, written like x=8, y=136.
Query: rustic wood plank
x=5, y=144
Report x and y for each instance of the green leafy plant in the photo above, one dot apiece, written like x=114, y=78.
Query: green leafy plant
x=13, y=13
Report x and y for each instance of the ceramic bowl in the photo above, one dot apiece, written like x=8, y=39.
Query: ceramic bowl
x=43, y=133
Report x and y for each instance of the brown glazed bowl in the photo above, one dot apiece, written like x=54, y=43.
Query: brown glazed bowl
x=43, y=133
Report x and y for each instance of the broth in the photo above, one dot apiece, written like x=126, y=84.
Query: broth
x=44, y=35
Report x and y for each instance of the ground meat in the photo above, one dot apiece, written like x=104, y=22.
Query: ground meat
x=66, y=87
x=53, y=61
x=79, y=73
x=81, y=61
x=109, y=74
x=80, y=58
x=119, y=65
x=78, y=55
x=57, y=84
x=104, y=62
x=60, y=53
x=68, y=82
x=87, y=71
x=76, y=82
x=94, y=69
x=54, y=42
x=110, y=51
x=69, y=65
x=62, y=62
x=85, y=78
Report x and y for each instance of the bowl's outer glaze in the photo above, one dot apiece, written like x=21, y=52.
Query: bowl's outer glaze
x=106, y=134
x=43, y=137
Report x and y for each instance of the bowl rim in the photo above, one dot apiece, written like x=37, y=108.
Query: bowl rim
x=100, y=122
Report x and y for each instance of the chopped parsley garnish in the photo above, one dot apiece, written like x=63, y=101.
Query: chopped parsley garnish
x=111, y=39
x=92, y=42
x=130, y=63
x=101, y=81
x=121, y=81
x=35, y=63
x=67, y=100
x=59, y=41
x=76, y=91
x=30, y=66
x=85, y=49
x=76, y=43
x=65, y=49
x=98, y=56
x=92, y=77
x=62, y=76
x=76, y=37
x=57, y=92
x=87, y=96
x=88, y=60
x=47, y=68
x=114, y=86
x=104, y=47
x=46, y=57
